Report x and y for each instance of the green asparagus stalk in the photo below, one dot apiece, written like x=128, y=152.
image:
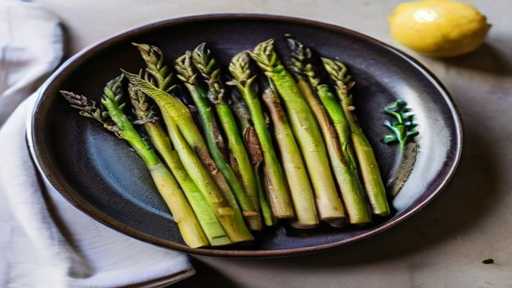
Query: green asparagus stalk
x=275, y=181
x=255, y=153
x=246, y=191
x=166, y=184
x=367, y=162
x=339, y=146
x=300, y=187
x=306, y=130
x=266, y=210
x=153, y=57
x=188, y=141
x=205, y=214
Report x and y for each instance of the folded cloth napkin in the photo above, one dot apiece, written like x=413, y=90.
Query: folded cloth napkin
x=44, y=241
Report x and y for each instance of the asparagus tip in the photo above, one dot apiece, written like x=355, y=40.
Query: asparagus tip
x=183, y=65
x=141, y=107
x=113, y=91
x=240, y=69
x=85, y=106
x=152, y=55
x=206, y=64
x=300, y=55
x=337, y=69
x=141, y=46
x=202, y=60
x=298, y=49
x=265, y=55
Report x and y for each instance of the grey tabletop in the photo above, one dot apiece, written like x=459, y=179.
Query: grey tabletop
x=445, y=244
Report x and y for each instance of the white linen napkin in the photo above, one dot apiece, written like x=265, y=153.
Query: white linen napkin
x=44, y=240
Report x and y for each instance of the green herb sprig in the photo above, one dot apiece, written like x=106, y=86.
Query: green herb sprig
x=403, y=127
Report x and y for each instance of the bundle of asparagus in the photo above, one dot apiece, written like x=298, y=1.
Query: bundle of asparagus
x=305, y=129
x=188, y=140
x=122, y=127
x=367, y=162
x=334, y=127
x=298, y=180
x=254, y=149
x=293, y=152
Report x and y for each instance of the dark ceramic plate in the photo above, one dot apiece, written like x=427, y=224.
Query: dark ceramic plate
x=100, y=176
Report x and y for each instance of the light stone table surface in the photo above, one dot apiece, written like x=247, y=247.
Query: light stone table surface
x=445, y=244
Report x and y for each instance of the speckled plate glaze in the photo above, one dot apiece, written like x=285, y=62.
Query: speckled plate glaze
x=101, y=176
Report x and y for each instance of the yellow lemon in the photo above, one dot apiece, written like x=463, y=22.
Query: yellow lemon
x=439, y=28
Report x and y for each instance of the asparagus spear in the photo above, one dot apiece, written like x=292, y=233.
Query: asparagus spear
x=245, y=191
x=367, y=162
x=301, y=189
x=274, y=175
x=338, y=141
x=188, y=141
x=153, y=57
x=306, y=130
x=255, y=153
x=205, y=214
x=166, y=184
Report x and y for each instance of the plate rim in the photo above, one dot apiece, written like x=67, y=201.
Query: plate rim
x=71, y=195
